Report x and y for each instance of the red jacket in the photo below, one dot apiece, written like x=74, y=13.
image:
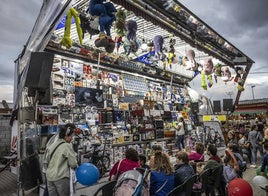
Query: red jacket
x=125, y=165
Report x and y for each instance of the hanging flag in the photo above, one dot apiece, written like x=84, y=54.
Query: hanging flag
x=62, y=22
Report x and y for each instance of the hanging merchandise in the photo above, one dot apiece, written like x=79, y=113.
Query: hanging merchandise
x=207, y=71
x=226, y=74
x=120, y=27
x=131, y=43
x=105, y=13
x=171, y=54
x=66, y=40
x=158, y=48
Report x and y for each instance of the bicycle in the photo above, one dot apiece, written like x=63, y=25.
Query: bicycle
x=99, y=158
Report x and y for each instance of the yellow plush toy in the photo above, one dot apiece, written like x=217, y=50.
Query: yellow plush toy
x=66, y=40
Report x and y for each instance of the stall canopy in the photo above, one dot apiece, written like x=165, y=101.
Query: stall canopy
x=170, y=19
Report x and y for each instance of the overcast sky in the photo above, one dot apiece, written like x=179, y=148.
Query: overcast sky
x=244, y=23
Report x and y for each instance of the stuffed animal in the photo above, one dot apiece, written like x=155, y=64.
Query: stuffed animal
x=105, y=13
x=191, y=63
x=158, y=47
x=207, y=71
x=66, y=40
x=238, y=78
x=226, y=74
x=87, y=26
x=171, y=54
x=120, y=27
x=131, y=43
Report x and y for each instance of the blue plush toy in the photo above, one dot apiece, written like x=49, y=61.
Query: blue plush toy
x=105, y=12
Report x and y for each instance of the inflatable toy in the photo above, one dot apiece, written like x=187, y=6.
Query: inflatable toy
x=87, y=174
x=239, y=187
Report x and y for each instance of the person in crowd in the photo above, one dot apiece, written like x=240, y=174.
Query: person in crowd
x=254, y=137
x=231, y=137
x=265, y=138
x=60, y=157
x=162, y=175
x=183, y=170
x=213, y=161
x=264, y=164
x=244, y=146
x=260, y=126
x=197, y=155
x=130, y=162
x=241, y=163
x=155, y=148
x=231, y=166
x=143, y=161
x=180, y=133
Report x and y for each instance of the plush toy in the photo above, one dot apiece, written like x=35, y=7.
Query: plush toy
x=105, y=13
x=226, y=74
x=66, y=40
x=131, y=43
x=238, y=78
x=87, y=26
x=207, y=71
x=171, y=54
x=158, y=47
x=120, y=27
x=191, y=63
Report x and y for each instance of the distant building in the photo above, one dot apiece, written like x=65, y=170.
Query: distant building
x=5, y=128
x=252, y=108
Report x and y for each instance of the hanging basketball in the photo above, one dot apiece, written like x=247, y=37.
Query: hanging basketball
x=87, y=174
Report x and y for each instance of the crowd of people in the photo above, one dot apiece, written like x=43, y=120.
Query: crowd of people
x=164, y=175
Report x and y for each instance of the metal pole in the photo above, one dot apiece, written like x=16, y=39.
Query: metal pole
x=252, y=91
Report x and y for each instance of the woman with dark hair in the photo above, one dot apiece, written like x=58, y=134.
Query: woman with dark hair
x=130, y=162
x=180, y=133
x=162, y=175
x=60, y=157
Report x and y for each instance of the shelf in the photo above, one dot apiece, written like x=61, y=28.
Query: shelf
x=142, y=142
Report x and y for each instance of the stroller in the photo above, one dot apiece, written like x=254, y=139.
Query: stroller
x=132, y=183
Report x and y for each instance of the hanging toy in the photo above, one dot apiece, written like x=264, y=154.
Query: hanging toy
x=191, y=63
x=66, y=40
x=131, y=44
x=238, y=78
x=207, y=71
x=105, y=13
x=158, y=47
x=119, y=28
x=226, y=74
x=171, y=53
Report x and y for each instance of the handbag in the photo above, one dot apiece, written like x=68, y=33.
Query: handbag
x=115, y=176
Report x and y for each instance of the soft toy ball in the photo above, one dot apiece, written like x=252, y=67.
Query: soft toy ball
x=259, y=180
x=239, y=187
x=87, y=174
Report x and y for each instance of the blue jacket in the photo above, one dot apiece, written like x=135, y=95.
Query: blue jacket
x=182, y=173
x=157, y=180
